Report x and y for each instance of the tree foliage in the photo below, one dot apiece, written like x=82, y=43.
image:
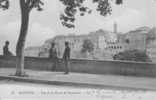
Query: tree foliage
x=28, y=4
x=132, y=55
x=151, y=36
x=87, y=46
x=74, y=6
x=4, y=4
x=71, y=8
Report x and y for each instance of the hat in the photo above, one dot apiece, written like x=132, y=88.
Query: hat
x=6, y=42
x=53, y=43
x=66, y=43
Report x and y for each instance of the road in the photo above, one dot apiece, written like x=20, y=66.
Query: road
x=11, y=90
x=79, y=79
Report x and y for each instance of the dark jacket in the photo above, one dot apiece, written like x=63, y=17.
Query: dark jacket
x=53, y=53
x=66, y=54
x=6, y=51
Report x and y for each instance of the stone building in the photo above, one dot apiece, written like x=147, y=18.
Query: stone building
x=143, y=39
x=151, y=44
x=33, y=51
x=106, y=43
x=137, y=39
x=151, y=51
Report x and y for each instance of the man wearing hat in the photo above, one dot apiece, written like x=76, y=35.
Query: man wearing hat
x=66, y=57
x=53, y=56
x=6, y=51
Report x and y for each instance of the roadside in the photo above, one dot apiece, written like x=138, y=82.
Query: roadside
x=81, y=79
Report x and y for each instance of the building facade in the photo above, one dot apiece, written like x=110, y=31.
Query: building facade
x=33, y=51
x=106, y=44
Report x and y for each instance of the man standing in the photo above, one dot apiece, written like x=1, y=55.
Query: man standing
x=6, y=51
x=53, y=56
x=66, y=57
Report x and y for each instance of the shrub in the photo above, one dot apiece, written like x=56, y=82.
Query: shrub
x=132, y=55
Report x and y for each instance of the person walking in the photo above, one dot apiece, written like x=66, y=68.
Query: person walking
x=6, y=51
x=53, y=56
x=66, y=57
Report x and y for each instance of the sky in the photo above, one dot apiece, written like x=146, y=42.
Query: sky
x=46, y=24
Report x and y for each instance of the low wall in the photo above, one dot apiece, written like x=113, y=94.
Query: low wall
x=87, y=66
x=30, y=63
x=114, y=67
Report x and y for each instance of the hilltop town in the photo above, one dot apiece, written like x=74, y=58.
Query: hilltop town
x=105, y=44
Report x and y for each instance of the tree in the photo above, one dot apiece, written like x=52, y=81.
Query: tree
x=4, y=4
x=74, y=6
x=132, y=55
x=87, y=46
x=67, y=18
x=26, y=7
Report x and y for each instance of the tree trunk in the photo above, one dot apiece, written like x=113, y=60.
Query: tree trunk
x=21, y=40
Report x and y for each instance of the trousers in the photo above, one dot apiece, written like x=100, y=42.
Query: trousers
x=55, y=63
x=66, y=64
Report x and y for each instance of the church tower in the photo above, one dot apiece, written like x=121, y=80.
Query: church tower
x=115, y=27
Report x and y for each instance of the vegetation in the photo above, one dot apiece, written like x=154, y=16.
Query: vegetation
x=77, y=6
x=132, y=55
x=87, y=46
x=67, y=18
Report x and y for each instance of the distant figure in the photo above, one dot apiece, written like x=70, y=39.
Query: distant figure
x=66, y=57
x=6, y=51
x=53, y=56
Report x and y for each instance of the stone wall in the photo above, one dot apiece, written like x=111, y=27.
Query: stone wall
x=30, y=63
x=87, y=66
x=114, y=67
